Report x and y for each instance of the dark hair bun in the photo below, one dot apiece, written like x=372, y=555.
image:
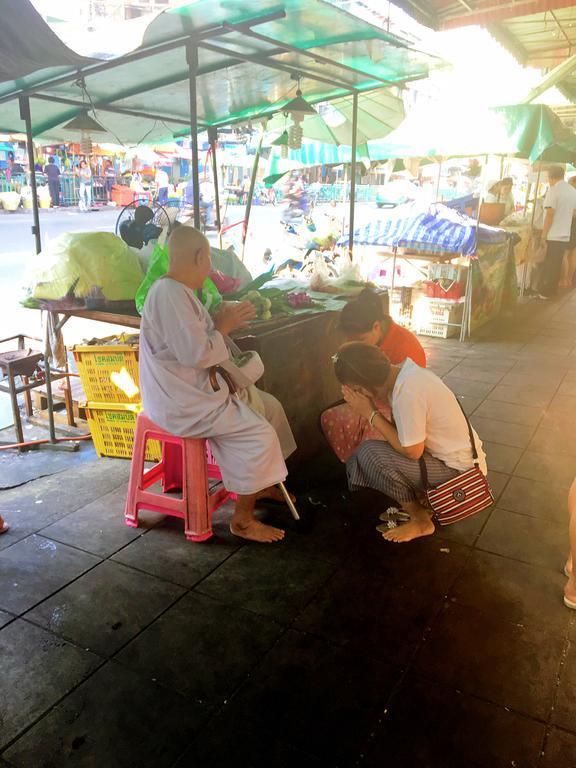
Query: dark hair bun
x=360, y=314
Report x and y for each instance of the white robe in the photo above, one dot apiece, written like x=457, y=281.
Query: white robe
x=178, y=346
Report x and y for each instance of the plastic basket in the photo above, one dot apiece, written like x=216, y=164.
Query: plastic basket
x=109, y=373
x=112, y=427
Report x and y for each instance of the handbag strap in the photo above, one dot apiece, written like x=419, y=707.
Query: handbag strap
x=422, y=461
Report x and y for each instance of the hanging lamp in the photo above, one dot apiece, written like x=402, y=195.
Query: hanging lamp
x=84, y=123
x=297, y=108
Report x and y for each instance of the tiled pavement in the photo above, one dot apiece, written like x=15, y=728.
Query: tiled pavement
x=133, y=648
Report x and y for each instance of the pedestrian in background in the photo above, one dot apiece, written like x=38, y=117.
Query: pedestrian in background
x=52, y=173
x=162, y=183
x=559, y=208
x=85, y=176
x=109, y=178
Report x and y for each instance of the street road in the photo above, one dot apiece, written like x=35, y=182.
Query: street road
x=17, y=254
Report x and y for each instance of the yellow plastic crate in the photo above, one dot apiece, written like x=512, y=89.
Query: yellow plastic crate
x=109, y=373
x=112, y=428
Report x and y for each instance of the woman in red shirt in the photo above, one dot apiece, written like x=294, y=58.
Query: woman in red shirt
x=363, y=319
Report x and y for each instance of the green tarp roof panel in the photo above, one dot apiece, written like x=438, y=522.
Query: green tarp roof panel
x=529, y=131
x=229, y=90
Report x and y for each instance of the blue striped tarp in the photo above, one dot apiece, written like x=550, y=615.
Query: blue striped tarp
x=435, y=229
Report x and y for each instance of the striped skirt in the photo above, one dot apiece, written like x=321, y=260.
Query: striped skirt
x=377, y=465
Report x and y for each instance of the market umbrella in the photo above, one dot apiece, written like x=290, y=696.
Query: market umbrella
x=379, y=113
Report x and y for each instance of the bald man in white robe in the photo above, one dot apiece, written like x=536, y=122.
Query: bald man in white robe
x=179, y=343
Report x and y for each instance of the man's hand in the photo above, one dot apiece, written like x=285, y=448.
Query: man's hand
x=233, y=315
x=360, y=403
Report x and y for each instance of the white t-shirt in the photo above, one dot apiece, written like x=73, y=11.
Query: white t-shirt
x=426, y=411
x=562, y=199
x=161, y=178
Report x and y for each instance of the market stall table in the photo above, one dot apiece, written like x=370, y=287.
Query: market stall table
x=296, y=351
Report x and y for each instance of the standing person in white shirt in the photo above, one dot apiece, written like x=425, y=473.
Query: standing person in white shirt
x=428, y=423
x=559, y=207
x=162, y=183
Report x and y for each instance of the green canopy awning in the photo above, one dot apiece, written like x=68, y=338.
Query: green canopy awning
x=529, y=131
x=245, y=72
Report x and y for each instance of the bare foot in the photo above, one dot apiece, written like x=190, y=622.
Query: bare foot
x=408, y=531
x=4, y=527
x=257, y=531
x=274, y=493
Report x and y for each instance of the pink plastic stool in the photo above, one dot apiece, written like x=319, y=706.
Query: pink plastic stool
x=186, y=464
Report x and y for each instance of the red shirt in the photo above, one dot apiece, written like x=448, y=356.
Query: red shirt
x=400, y=343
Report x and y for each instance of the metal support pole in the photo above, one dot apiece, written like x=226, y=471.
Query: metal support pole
x=251, y=193
x=437, y=200
x=353, y=174
x=25, y=115
x=213, y=139
x=530, y=244
x=192, y=61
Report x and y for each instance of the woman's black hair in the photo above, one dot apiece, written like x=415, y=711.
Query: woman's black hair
x=361, y=364
x=360, y=314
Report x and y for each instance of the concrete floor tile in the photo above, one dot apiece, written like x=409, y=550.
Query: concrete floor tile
x=501, y=458
x=476, y=373
x=37, y=670
x=503, y=432
x=250, y=747
x=533, y=395
x=523, y=377
x=202, y=648
x=509, y=412
x=330, y=699
x=556, y=439
x=466, y=531
x=106, y=607
x=447, y=732
x=529, y=539
x=368, y=614
x=32, y=507
x=498, y=482
x=165, y=552
x=468, y=387
x=562, y=404
x=5, y=618
x=469, y=404
x=117, y=718
x=557, y=469
x=267, y=580
x=99, y=527
x=34, y=568
x=429, y=565
x=568, y=387
x=565, y=706
x=538, y=499
x=484, y=655
x=518, y=592
x=559, y=750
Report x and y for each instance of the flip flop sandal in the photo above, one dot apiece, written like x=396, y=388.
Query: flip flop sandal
x=569, y=603
x=385, y=527
x=5, y=528
x=392, y=513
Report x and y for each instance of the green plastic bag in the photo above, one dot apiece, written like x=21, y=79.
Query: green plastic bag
x=157, y=267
